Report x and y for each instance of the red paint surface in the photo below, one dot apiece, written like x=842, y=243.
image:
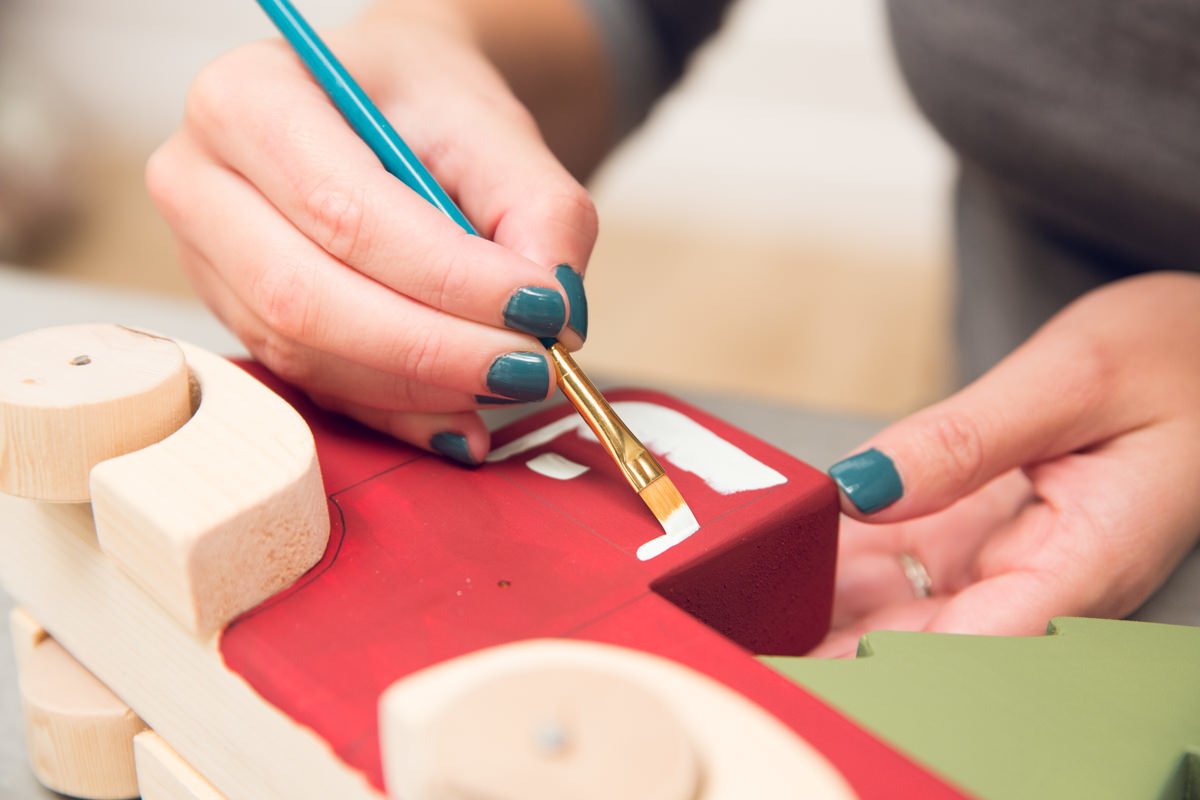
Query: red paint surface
x=428, y=560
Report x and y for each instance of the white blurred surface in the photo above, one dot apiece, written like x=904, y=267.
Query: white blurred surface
x=791, y=121
x=29, y=301
x=792, y=124
x=125, y=65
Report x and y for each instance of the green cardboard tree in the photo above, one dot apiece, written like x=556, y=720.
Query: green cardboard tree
x=1094, y=709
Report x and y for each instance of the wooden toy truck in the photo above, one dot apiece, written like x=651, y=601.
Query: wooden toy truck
x=227, y=593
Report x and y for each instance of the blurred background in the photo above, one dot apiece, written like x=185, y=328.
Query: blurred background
x=814, y=272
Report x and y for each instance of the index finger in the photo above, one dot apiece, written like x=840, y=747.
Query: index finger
x=281, y=133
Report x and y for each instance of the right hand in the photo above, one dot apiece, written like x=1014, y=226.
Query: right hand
x=342, y=280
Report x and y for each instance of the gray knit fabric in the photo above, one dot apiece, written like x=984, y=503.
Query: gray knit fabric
x=1078, y=131
x=648, y=43
x=1076, y=122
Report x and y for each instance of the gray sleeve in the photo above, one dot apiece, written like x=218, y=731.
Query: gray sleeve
x=648, y=43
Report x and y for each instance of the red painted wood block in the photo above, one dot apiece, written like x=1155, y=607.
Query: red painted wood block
x=428, y=560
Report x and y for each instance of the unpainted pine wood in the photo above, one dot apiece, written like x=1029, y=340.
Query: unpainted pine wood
x=543, y=719
x=79, y=734
x=226, y=511
x=26, y=634
x=73, y=396
x=175, y=680
x=211, y=512
x=163, y=775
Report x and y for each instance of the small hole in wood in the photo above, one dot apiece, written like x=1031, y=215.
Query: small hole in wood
x=551, y=738
x=80, y=361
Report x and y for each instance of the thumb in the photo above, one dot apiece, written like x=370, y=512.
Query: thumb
x=1049, y=397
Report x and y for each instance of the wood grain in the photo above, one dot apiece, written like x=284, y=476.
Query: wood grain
x=224, y=513
x=163, y=775
x=74, y=396
x=79, y=734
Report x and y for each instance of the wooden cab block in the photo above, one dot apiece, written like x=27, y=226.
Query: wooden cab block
x=547, y=719
x=223, y=513
x=162, y=774
x=79, y=734
x=74, y=396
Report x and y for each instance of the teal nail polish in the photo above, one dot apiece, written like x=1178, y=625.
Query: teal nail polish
x=572, y=283
x=536, y=310
x=520, y=376
x=452, y=446
x=869, y=479
x=488, y=400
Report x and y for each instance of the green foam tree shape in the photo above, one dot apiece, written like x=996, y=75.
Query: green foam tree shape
x=1094, y=709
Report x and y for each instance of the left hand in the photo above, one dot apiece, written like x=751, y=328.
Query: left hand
x=1066, y=481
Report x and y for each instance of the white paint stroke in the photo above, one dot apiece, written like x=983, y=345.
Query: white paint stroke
x=679, y=526
x=538, y=437
x=552, y=465
x=671, y=435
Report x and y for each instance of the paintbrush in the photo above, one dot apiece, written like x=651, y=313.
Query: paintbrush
x=638, y=464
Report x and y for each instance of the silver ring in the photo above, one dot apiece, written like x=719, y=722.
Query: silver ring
x=918, y=576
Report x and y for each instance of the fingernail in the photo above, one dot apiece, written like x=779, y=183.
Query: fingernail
x=520, y=376
x=536, y=310
x=488, y=400
x=453, y=446
x=572, y=283
x=869, y=479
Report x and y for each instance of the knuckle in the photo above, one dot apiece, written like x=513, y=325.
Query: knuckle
x=207, y=104
x=162, y=183
x=286, y=302
x=286, y=358
x=958, y=438
x=422, y=356
x=449, y=281
x=340, y=220
x=225, y=87
x=577, y=206
x=1090, y=371
x=570, y=206
x=442, y=155
x=570, y=209
x=404, y=394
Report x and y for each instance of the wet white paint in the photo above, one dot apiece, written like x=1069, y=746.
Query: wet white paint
x=674, y=437
x=536, y=438
x=679, y=526
x=552, y=465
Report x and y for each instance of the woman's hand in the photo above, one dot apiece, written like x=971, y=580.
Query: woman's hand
x=1066, y=481
x=342, y=280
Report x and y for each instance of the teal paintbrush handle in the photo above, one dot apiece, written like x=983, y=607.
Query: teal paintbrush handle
x=359, y=111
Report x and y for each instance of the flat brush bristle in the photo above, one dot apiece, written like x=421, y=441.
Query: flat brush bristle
x=669, y=508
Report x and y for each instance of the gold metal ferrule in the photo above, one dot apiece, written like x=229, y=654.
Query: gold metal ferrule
x=639, y=464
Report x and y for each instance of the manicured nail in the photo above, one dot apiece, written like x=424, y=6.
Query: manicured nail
x=572, y=284
x=520, y=376
x=488, y=400
x=536, y=310
x=869, y=479
x=453, y=446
